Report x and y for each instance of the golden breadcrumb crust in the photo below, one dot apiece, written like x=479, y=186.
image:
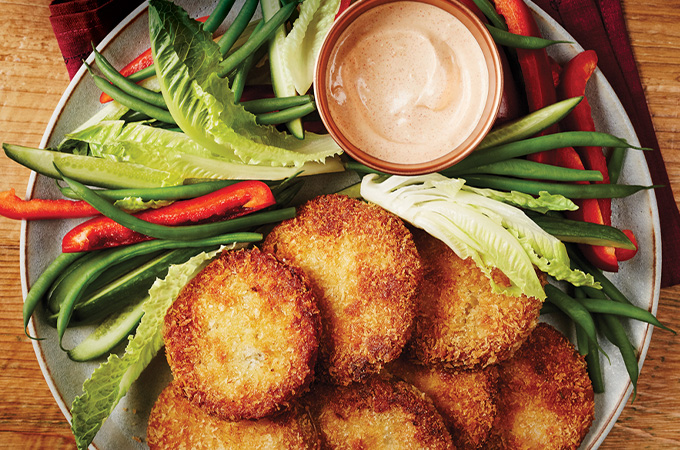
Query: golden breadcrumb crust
x=242, y=336
x=546, y=395
x=364, y=269
x=377, y=414
x=465, y=399
x=461, y=322
x=176, y=424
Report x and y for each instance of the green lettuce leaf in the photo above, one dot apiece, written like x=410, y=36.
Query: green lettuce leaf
x=544, y=203
x=111, y=380
x=302, y=45
x=180, y=155
x=492, y=233
x=186, y=61
x=132, y=204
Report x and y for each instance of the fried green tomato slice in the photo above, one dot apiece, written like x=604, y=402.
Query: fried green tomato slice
x=466, y=399
x=547, y=397
x=377, y=414
x=175, y=423
x=461, y=322
x=242, y=337
x=364, y=269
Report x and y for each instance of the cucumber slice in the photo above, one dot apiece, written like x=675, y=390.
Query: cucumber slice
x=110, y=333
x=89, y=170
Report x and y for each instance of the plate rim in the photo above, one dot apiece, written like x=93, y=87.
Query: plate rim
x=597, y=439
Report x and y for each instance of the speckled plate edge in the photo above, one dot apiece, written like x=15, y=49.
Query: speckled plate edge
x=606, y=100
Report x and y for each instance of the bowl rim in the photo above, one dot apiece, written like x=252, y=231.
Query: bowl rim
x=455, y=154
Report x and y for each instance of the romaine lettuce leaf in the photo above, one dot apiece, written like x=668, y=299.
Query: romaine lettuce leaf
x=111, y=381
x=543, y=203
x=186, y=61
x=492, y=233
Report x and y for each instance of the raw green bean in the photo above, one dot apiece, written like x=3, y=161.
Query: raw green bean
x=237, y=27
x=616, y=334
x=608, y=288
x=592, y=355
x=266, y=105
x=582, y=232
x=132, y=102
x=286, y=115
x=573, y=309
x=116, y=255
x=515, y=149
x=530, y=124
x=161, y=193
x=490, y=12
x=218, y=15
x=142, y=74
x=596, y=305
x=571, y=191
x=615, y=163
x=239, y=79
x=56, y=289
x=582, y=341
x=549, y=308
x=361, y=168
x=523, y=168
x=256, y=40
x=512, y=40
x=125, y=85
x=180, y=232
x=44, y=282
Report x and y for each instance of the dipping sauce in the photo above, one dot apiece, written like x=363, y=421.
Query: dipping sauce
x=407, y=82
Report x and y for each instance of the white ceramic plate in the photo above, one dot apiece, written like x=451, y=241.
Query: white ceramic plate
x=126, y=427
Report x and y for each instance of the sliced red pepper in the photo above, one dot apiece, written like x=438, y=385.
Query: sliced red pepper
x=14, y=207
x=604, y=258
x=556, y=69
x=226, y=203
x=623, y=254
x=573, y=82
x=144, y=60
x=344, y=4
x=535, y=65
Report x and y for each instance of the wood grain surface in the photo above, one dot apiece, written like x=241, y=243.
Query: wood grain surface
x=32, y=79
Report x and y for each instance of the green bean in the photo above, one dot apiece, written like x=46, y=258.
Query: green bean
x=523, y=168
x=54, y=295
x=582, y=341
x=361, y=168
x=571, y=191
x=573, y=309
x=595, y=369
x=256, y=40
x=116, y=255
x=615, y=163
x=161, y=193
x=286, y=115
x=608, y=288
x=44, y=282
x=512, y=40
x=218, y=15
x=582, y=232
x=616, y=334
x=515, y=149
x=125, y=85
x=239, y=79
x=130, y=101
x=596, y=305
x=180, y=232
x=549, y=308
x=142, y=74
x=237, y=27
x=530, y=124
x=266, y=105
x=490, y=12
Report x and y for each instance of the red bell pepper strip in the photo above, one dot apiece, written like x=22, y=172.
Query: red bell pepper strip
x=344, y=4
x=226, y=203
x=623, y=254
x=588, y=211
x=142, y=61
x=14, y=207
x=535, y=65
x=574, y=77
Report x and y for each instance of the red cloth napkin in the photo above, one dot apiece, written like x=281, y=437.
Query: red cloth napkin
x=596, y=24
x=77, y=23
x=599, y=25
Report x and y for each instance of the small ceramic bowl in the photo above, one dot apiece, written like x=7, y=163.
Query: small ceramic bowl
x=485, y=114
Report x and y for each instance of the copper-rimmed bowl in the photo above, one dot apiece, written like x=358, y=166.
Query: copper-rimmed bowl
x=449, y=156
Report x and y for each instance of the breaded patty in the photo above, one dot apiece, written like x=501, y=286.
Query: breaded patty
x=461, y=322
x=242, y=336
x=364, y=269
x=377, y=414
x=465, y=399
x=547, y=397
x=176, y=424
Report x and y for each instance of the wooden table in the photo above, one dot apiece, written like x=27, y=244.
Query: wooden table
x=32, y=79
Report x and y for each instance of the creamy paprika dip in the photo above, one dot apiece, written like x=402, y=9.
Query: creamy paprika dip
x=406, y=82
